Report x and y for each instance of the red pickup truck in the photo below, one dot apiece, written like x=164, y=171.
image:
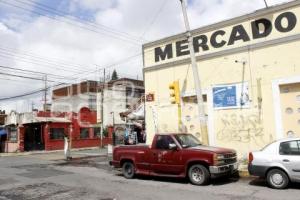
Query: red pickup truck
x=175, y=155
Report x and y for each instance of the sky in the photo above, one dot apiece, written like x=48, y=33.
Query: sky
x=74, y=40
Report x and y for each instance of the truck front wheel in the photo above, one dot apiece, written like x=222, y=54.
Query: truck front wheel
x=128, y=170
x=198, y=174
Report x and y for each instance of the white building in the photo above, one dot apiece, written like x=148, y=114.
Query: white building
x=73, y=98
x=118, y=96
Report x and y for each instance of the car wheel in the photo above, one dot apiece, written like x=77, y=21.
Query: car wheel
x=128, y=170
x=198, y=175
x=277, y=179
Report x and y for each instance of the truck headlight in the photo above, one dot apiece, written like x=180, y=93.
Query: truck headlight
x=219, y=159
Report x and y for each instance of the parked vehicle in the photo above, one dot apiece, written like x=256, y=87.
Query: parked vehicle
x=278, y=162
x=175, y=155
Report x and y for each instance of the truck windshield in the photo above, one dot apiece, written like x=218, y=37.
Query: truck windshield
x=187, y=140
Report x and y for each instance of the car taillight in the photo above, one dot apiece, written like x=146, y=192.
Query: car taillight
x=250, y=158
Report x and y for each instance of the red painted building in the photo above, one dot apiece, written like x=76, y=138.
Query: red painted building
x=46, y=131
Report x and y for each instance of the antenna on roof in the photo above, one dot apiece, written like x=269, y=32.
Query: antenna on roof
x=266, y=3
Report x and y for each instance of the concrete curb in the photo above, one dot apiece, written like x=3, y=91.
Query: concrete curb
x=45, y=152
x=244, y=174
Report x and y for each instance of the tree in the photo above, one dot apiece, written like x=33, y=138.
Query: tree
x=114, y=75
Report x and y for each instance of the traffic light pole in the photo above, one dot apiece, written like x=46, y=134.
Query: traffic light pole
x=179, y=117
x=197, y=82
x=175, y=99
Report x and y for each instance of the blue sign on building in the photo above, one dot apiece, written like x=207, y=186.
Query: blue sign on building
x=225, y=96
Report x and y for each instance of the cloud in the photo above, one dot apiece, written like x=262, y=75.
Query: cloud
x=69, y=47
x=91, y=4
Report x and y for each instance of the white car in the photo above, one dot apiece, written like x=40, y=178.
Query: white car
x=278, y=162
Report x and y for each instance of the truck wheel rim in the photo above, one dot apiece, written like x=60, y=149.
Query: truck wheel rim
x=197, y=174
x=277, y=179
x=128, y=169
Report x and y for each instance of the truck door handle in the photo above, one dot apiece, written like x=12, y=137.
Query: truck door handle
x=286, y=160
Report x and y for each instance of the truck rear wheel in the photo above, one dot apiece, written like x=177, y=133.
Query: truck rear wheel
x=128, y=170
x=198, y=174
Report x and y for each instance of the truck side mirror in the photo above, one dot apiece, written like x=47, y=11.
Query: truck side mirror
x=172, y=146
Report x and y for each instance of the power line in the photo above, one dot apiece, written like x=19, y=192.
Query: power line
x=27, y=77
x=16, y=82
x=90, y=22
x=29, y=93
x=77, y=24
x=40, y=79
x=154, y=18
x=74, y=78
x=114, y=64
x=30, y=54
x=36, y=72
x=40, y=62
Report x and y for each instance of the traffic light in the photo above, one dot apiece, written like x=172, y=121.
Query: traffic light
x=174, y=92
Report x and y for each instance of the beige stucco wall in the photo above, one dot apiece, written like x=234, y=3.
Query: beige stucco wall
x=243, y=129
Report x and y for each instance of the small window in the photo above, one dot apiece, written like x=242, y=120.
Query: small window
x=57, y=133
x=97, y=132
x=289, y=148
x=84, y=133
x=163, y=142
x=12, y=134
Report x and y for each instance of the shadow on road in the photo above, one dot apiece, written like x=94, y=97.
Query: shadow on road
x=263, y=183
x=213, y=182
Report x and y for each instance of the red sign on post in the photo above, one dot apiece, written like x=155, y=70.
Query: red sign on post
x=149, y=97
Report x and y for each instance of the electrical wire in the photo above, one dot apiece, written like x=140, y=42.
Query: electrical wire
x=73, y=17
x=29, y=93
x=75, y=23
x=52, y=61
x=35, y=72
x=154, y=18
x=28, y=77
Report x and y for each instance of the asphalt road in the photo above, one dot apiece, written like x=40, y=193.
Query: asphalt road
x=30, y=177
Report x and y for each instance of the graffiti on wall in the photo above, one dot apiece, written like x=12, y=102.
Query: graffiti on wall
x=241, y=128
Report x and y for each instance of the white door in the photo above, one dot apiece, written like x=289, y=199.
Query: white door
x=289, y=156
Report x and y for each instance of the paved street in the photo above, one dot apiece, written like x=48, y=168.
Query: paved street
x=36, y=177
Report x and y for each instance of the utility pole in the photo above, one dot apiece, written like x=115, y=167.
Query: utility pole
x=102, y=107
x=45, y=95
x=266, y=3
x=197, y=82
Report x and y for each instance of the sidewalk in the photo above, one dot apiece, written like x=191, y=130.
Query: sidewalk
x=59, y=154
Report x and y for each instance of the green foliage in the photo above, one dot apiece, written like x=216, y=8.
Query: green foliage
x=105, y=132
x=114, y=75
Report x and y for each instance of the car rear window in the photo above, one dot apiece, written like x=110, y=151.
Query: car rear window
x=289, y=148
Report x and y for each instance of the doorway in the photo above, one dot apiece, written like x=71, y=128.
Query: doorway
x=290, y=109
x=34, y=138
